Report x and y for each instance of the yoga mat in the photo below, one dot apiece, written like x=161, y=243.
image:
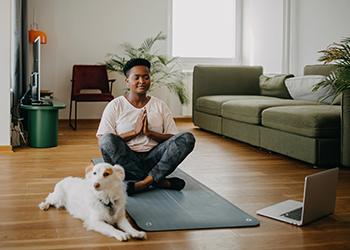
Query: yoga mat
x=194, y=207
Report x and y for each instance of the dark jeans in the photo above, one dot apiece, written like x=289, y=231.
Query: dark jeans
x=159, y=162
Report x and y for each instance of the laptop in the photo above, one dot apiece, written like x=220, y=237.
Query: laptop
x=320, y=191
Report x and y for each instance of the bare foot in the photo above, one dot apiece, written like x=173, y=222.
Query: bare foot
x=141, y=186
x=136, y=187
x=171, y=183
x=163, y=184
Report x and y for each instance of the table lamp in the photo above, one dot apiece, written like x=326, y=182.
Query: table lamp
x=34, y=32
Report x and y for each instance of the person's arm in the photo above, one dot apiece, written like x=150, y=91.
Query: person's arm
x=98, y=138
x=138, y=127
x=158, y=137
x=133, y=133
x=128, y=135
x=107, y=123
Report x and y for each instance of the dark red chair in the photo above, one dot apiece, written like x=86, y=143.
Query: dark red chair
x=89, y=77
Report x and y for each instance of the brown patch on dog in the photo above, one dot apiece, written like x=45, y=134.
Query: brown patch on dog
x=107, y=172
x=89, y=168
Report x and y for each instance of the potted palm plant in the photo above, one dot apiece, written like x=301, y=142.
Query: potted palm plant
x=338, y=56
x=165, y=72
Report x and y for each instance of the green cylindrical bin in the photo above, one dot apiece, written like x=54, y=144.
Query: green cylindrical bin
x=42, y=123
x=42, y=128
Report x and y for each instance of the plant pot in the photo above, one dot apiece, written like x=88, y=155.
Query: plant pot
x=345, y=129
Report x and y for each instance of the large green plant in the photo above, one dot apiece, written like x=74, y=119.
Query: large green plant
x=165, y=72
x=339, y=80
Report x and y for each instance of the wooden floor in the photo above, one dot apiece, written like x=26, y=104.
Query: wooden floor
x=248, y=177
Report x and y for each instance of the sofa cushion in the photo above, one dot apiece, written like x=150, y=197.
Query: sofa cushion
x=317, y=121
x=300, y=88
x=212, y=104
x=274, y=86
x=249, y=110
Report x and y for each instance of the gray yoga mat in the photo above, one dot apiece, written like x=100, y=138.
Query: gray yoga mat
x=194, y=207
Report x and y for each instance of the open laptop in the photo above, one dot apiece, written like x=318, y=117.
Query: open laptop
x=320, y=192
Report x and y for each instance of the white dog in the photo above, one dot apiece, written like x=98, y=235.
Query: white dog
x=98, y=200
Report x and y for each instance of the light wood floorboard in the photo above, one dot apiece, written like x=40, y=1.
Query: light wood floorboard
x=247, y=176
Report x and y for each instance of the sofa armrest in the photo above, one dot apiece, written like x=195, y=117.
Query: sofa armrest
x=225, y=80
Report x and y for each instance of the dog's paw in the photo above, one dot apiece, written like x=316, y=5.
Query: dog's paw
x=140, y=235
x=44, y=205
x=121, y=236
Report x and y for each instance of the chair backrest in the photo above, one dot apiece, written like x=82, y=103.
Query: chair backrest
x=90, y=77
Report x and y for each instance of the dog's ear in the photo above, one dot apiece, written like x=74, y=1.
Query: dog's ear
x=88, y=170
x=119, y=170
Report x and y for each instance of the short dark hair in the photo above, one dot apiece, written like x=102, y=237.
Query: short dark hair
x=135, y=62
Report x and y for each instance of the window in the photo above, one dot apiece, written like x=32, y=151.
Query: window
x=204, y=29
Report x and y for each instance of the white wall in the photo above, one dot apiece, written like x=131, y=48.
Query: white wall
x=5, y=28
x=262, y=34
x=314, y=25
x=84, y=31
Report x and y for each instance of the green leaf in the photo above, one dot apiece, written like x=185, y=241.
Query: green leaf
x=165, y=72
x=339, y=80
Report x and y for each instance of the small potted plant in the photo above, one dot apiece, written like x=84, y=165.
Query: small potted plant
x=338, y=56
x=165, y=72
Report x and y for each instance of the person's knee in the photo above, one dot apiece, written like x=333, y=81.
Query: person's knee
x=190, y=139
x=107, y=140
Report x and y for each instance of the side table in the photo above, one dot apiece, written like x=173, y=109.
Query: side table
x=43, y=124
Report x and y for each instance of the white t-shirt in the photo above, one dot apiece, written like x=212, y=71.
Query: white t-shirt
x=120, y=117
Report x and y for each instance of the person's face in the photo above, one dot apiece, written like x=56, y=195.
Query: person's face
x=139, y=79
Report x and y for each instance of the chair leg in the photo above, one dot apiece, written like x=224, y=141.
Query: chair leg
x=70, y=113
x=70, y=116
x=75, y=120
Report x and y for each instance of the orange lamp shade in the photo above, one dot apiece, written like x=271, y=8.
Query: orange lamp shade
x=33, y=34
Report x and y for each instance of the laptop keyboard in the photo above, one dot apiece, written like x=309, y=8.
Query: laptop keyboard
x=294, y=214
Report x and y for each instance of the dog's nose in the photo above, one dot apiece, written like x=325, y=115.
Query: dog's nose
x=96, y=185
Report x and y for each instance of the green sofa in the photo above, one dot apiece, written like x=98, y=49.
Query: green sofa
x=229, y=100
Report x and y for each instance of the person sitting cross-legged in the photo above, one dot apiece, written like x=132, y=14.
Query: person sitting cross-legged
x=138, y=132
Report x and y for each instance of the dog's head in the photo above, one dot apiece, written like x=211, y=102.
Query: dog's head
x=104, y=175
